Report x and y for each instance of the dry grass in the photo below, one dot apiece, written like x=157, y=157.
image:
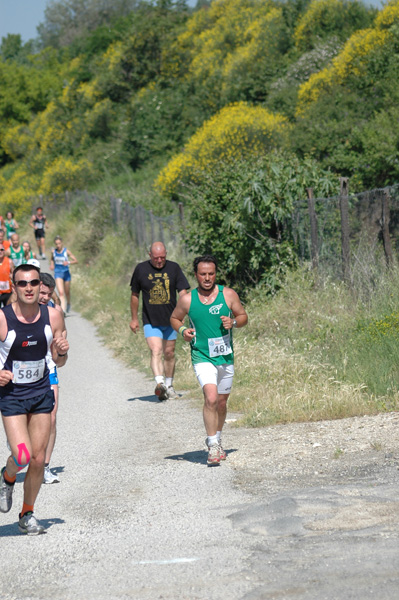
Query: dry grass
x=282, y=372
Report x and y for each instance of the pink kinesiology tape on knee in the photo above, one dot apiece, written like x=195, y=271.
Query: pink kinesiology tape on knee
x=22, y=451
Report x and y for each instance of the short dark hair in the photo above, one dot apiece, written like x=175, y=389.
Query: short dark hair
x=25, y=267
x=207, y=258
x=47, y=279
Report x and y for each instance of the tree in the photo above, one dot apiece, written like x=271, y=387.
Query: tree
x=66, y=20
x=241, y=212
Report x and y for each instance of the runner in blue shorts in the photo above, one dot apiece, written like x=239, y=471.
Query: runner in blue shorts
x=159, y=280
x=61, y=258
x=30, y=340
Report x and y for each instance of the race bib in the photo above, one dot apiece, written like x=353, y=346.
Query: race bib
x=28, y=371
x=219, y=346
x=4, y=285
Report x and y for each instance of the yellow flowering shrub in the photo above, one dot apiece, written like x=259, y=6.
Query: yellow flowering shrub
x=352, y=60
x=65, y=174
x=17, y=141
x=389, y=16
x=237, y=131
x=226, y=40
x=324, y=18
x=18, y=188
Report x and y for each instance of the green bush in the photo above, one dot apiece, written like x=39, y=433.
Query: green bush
x=241, y=213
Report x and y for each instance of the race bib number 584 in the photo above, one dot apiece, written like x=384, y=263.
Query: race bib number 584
x=28, y=371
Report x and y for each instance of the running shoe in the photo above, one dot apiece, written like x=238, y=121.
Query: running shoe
x=172, y=392
x=6, y=491
x=49, y=477
x=222, y=451
x=161, y=391
x=30, y=525
x=213, y=454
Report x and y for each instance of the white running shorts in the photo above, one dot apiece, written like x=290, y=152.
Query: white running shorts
x=219, y=375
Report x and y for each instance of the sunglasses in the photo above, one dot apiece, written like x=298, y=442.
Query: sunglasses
x=23, y=283
x=1, y=249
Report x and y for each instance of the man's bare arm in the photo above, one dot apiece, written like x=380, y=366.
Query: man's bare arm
x=134, y=309
x=234, y=303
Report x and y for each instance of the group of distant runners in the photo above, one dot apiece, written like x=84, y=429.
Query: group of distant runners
x=33, y=343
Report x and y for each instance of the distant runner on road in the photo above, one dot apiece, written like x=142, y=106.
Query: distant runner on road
x=38, y=222
x=15, y=251
x=213, y=310
x=61, y=258
x=30, y=340
x=158, y=279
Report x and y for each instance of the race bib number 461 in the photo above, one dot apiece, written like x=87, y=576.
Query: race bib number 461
x=28, y=371
x=219, y=346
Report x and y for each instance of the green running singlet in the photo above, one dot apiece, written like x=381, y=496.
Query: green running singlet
x=212, y=342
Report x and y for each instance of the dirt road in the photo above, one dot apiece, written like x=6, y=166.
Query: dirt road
x=295, y=512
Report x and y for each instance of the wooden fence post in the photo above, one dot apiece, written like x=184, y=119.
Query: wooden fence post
x=152, y=227
x=385, y=217
x=181, y=214
x=345, y=249
x=314, y=247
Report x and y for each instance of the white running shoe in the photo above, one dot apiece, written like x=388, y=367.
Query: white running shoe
x=172, y=392
x=49, y=477
x=5, y=494
x=30, y=525
x=213, y=455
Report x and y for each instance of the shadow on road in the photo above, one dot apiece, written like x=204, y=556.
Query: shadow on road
x=197, y=456
x=151, y=398
x=12, y=530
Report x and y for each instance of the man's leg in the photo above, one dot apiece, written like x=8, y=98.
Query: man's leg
x=59, y=282
x=210, y=410
x=67, y=287
x=49, y=477
x=39, y=433
x=169, y=362
x=169, y=359
x=16, y=429
x=155, y=345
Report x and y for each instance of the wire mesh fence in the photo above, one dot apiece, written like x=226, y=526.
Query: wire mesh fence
x=339, y=235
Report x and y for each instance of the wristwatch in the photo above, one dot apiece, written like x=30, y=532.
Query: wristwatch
x=234, y=323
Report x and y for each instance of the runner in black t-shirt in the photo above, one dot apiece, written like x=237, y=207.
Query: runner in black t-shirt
x=158, y=279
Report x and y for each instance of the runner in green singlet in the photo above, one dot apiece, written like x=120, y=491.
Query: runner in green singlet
x=213, y=310
x=15, y=251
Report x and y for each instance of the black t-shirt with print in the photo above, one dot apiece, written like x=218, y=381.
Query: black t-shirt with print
x=159, y=287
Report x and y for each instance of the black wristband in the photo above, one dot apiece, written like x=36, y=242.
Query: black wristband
x=62, y=354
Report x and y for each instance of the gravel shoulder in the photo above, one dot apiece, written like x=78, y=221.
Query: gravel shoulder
x=297, y=511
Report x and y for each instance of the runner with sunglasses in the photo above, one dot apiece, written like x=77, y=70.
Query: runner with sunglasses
x=31, y=340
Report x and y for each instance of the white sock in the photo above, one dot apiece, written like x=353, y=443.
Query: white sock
x=218, y=435
x=168, y=381
x=159, y=379
x=212, y=440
